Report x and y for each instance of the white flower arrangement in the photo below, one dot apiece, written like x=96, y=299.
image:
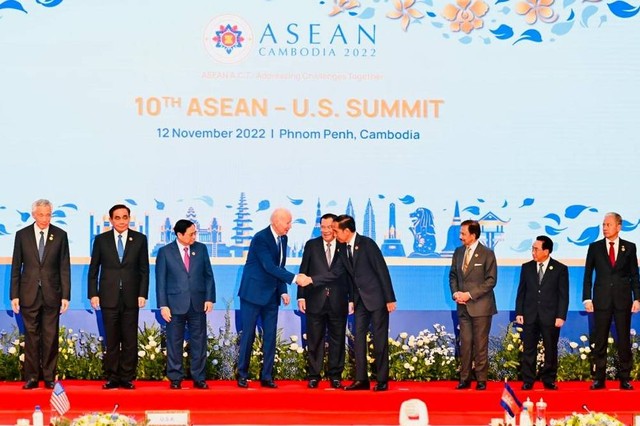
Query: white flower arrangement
x=590, y=419
x=98, y=419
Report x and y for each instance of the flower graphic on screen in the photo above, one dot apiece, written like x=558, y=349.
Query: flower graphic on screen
x=403, y=10
x=228, y=38
x=466, y=15
x=342, y=6
x=536, y=9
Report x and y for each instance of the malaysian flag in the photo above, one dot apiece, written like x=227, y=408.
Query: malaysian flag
x=510, y=401
x=59, y=400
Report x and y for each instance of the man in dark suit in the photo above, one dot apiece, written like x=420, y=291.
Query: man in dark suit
x=326, y=306
x=40, y=290
x=118, y=283
x=186, y=292
x=541, y=308
x=263, y=284
x=472, y=278
x=616, y=295
x=373, y=297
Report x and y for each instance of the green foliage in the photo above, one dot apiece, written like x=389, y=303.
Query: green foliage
x=79, y=355
x=429, y=355
x=152, y=357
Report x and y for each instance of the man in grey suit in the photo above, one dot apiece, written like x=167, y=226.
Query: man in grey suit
x=613, y=295
x=541, y=308
x=186, y=292
x=40, y=291
x=472, y=278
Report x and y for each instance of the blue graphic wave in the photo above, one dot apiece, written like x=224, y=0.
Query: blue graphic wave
x=295, y=201
x=588, y=236
x=263, y=205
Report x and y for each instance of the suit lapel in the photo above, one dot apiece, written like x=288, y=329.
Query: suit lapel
x=622, y=253
x=176, y=253
x=31, y=236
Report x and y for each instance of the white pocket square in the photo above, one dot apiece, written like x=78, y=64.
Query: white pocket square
x=477, y=264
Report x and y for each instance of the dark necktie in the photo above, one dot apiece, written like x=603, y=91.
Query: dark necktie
x=120, y=247
x=540, y=273
x=328, y=254
x=186, y=258
x=349, y=254
x=612, y=255
x=41, y=246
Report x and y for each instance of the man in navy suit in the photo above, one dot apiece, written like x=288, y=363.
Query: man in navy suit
x=263, y=284
x=186, y=292
x=373, y=297
x=118, y=283
x=40, y=291
x=326, y=306
x=541, y=308
x=615, y=295
x=472, y=277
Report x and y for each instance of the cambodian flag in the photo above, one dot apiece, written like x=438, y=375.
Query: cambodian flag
x=510, y=401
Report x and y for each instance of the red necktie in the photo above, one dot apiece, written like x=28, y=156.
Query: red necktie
x=612, y=255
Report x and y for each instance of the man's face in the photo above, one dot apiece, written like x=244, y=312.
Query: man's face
x=42, y=216
x=466, y=237
x=538, y=254
x=282, y=223
x=342, y=235
x=120, y=220
x=610, y=228
x=189, y=236
x=326, y=229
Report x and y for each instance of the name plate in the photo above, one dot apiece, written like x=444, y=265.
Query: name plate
x=168, y=417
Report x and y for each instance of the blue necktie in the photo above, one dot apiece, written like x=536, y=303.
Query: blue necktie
x=279, y=240
x=41, y=246
x=120, y=247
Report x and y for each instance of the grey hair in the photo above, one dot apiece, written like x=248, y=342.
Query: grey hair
x=39, y=203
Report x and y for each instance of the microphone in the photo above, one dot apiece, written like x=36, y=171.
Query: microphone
x=115, y=408
x=585, y=408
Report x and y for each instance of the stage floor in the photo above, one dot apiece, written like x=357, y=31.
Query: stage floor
x=294, y=404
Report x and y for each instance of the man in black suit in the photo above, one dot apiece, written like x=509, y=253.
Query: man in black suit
x=325, y=306
x=472, y=278
x=118, y=283
x=40, y=290
x=186, y=292
x=616, y=295
x=373, y=297
x=541, y=308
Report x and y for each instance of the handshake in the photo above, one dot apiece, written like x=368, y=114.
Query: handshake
x=303, y=280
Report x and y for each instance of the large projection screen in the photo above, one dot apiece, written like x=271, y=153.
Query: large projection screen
x=410, y=115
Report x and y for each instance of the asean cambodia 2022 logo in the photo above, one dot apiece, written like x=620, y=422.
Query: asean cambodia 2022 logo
x=228, y=39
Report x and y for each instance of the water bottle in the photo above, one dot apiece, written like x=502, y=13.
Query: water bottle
x=38, y=417
x=525, y=419
x=541, y=413
x=528, y=404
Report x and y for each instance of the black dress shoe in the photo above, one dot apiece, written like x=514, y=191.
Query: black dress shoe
x=111, y=384
x=381, y=387
x=481, y=386
x=527, y=386
x=358, y=385
x=200, y=384
x=175, y=384
x=597, y=384
x=313, y=383
x=336, y=383
x=127, y=384
x=463, y=384
x=625, y=385
x=550, y=386
x=268, y=384
x=49, y=384
x=242, y=382
x=31, y=384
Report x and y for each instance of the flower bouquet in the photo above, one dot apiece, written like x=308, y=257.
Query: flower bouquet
x=97, y=419
x=590, y=419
